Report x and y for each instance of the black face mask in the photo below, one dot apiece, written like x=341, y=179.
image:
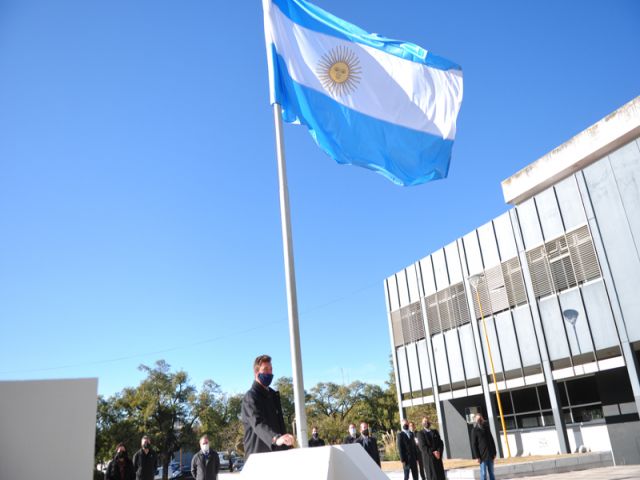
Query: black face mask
x=405, y=426
x=365, y=432
x=121, y=455
x=146, y=445
x=426, y=425
x=314, y=435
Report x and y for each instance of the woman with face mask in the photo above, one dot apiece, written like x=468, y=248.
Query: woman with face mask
x=121, y=467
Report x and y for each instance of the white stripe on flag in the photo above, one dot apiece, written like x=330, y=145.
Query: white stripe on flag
x=390, y=88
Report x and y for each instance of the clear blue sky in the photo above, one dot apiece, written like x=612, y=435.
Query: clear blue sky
x=139, y=213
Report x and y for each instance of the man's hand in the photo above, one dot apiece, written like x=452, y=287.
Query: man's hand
x=436, y=454
x=479, y=461
x=286, y=439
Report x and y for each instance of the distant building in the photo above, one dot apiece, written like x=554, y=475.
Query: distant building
x=559, y=286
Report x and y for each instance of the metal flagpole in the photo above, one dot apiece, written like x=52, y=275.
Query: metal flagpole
x=290, y=274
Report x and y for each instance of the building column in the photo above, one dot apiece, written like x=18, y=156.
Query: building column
x=556, y=409
x=491, y=417
x=394, y=358
x=432, y=365
x=628, y=354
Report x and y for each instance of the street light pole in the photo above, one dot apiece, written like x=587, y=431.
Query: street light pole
x=571, y=316
x=475, y=282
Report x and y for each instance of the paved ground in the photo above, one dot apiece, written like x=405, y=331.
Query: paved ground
x=627, y=472
x=630, y=472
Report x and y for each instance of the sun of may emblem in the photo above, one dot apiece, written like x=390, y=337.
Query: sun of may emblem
x=339, y=71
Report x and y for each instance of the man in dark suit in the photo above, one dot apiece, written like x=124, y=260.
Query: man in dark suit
x=315, y=440
x=408, y=451
x=145, y=461
x=264, y=429
x=369, y=442
x=352, y=437
x=432, y=447
x=205, y=464
x=412, y=429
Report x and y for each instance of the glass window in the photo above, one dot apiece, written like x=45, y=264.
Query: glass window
x=505, y=399
x=562, y=392
x=529, y=421
x=509, y=421
x=567, y=415
x=543, y=394
x=583, y=390
x=547, y=417
x=525, y=400
x=587, y=414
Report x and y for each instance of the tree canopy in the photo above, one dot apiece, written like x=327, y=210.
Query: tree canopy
x=167, y=407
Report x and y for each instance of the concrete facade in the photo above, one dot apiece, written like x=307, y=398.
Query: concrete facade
x=558, y=286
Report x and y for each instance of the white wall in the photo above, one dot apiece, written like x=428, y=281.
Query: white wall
x=594, y=437
x=47, y=429
x=544, y=441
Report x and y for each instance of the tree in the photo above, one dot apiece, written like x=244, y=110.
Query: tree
x=209, y=407
x=113, y=426
x=284, y=385
x=163, y=407
x=232, y=432
x=335, y=400
x=174, y=413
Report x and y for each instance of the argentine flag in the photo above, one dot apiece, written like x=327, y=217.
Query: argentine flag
x=381, y=104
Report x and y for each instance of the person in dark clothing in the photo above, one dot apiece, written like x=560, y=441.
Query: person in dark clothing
x=315, y=440
x=264, y=429
x=432, y=447
x=412, y=429
x=483, y=447
x=121, y=467
x=369, y=442
x=352, y=437
x=145, y=461
x=408, y=451
x=206, y=463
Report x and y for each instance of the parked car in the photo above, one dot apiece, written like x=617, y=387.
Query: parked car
x=174, y=469
x=225, y=461
x=184, y=473
x=238, y=463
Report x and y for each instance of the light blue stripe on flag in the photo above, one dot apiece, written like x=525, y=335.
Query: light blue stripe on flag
x=381, y=104
x=314, y=18
x=404, y=156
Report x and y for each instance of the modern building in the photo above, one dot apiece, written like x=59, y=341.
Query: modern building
x=558, y=284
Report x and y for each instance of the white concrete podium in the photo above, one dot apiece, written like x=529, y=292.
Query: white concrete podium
x=48, y=429
x=342, y=462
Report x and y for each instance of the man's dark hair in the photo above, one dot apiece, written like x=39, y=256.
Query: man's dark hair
x=259, y=361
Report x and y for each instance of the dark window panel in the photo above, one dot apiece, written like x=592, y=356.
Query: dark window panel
x=505, y=399
x=525, y=400
x=587, y=414
x=548, y=419
x=543, y=394
x=564, y=401
x=529, y=421
x=583, y=390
